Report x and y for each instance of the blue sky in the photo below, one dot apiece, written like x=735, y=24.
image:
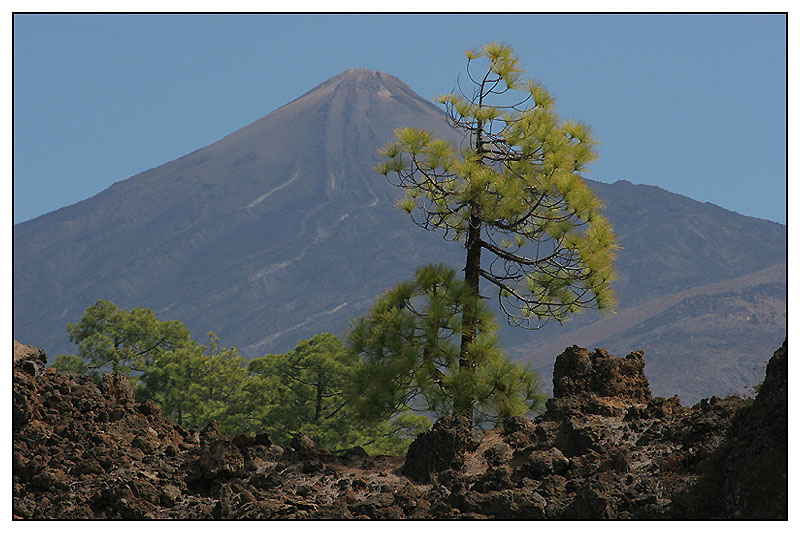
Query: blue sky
x=695, y=104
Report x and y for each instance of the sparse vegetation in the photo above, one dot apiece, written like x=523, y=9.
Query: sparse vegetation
x=280, y=394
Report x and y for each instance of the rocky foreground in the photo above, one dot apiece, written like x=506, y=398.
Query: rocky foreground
x=604, y=448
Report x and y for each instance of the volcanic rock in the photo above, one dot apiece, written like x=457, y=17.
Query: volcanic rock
x=32, y=358
x=442, y=447
x=747, y=477
x=603, y=375
x=605, y=451
x=117, y=388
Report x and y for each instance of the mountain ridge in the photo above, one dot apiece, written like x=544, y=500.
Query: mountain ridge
x=284, y=220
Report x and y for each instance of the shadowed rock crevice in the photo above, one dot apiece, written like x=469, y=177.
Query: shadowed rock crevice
x=748, y=476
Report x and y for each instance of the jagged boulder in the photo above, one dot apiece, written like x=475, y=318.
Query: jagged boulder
x=536, y=463
x=578, y=372
x=586, y=383
x=303, y=445
x=440, y=448
x=218, y=458
x=30, y=359
x=117, y=388
x=749, y=478
x=25, y=351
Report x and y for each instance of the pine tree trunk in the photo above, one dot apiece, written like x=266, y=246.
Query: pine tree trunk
x=318, y=406
x=471, y=278
x=468, y=319
x=473, y=266
x=471, y=275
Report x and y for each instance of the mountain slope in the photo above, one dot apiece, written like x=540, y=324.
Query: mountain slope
x=707, y=334
x=697, y=243
x=282, y=230
x=671, y=243
x=243, y=236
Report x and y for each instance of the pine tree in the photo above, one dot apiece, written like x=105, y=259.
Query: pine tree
x=303, y=390
x=110, y=338
x=513, y=193
x=410, y=348
x=195, y=384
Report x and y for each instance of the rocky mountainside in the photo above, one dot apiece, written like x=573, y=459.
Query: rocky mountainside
x=707, y=334
x=604, y=448
x=281, y=230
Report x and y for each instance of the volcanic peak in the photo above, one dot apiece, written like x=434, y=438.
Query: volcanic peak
x=362, y=81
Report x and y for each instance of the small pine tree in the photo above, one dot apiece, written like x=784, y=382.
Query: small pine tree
x=195, y=384
x=110, y=338
x=303, y=390
x=410, y=348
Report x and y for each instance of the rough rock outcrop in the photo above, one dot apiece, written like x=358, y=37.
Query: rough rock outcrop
x=32, y=358
x=755, y=482
x=442, y=447
x=603, y=449
x=577, y=372
x=748, y=477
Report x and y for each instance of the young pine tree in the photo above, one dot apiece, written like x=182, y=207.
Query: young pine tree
x=195, y=384
x=303, y=390
x=119, y=340
x=410, y=346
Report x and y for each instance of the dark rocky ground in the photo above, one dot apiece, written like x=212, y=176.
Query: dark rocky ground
x=603, y=449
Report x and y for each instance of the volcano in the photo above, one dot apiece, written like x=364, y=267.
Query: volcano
x=282, y=230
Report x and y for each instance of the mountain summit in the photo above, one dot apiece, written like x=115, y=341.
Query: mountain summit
x=282, y=230
x=257, y=236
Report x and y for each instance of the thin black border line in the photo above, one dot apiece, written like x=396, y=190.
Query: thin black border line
x=401, y=13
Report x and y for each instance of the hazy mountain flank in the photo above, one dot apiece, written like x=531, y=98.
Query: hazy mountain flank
x=282, y=230
x=707, y=333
